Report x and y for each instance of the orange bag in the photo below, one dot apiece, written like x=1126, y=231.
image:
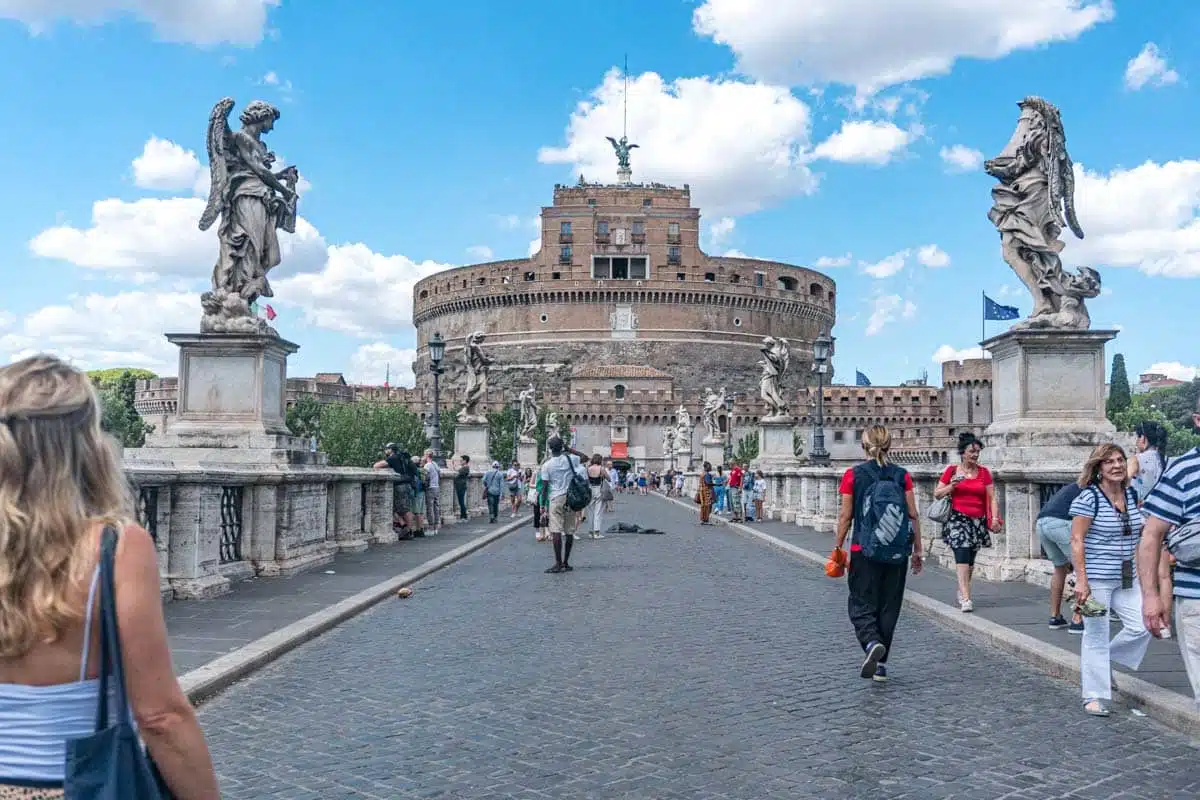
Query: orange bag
x=835, y=567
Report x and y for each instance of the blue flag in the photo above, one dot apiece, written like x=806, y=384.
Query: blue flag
x=994, y=311
x=860, y=379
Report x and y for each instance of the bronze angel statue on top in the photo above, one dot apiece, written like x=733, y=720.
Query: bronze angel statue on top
x=1032, y=203
x=252, y=202
x=621, y=147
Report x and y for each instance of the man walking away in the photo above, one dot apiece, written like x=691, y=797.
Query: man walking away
x=1054, y=532
x=493, y=488
x=400, y=462
x=1174, y=502
x=433, y=498
x=461, y=478
x=736, y=477
x=557, y=473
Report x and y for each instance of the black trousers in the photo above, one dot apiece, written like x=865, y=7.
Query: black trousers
x=876, y=592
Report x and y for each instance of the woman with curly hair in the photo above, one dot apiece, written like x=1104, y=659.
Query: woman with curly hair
x=974, y=512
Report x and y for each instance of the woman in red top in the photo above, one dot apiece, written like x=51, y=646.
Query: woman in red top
x=974, y=513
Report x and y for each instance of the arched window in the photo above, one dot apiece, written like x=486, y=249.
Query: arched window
x=619, y=392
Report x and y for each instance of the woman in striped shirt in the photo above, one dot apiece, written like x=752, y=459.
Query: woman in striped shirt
x=1105, y=528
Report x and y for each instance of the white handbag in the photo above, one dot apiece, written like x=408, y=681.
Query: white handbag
x=939, y=511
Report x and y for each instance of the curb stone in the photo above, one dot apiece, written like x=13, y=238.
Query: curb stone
x=1169, y=708
x=217, y=675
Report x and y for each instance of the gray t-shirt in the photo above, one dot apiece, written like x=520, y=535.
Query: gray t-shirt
x=556, y=473
x=433, y=475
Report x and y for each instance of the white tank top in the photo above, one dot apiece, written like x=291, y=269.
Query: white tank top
x=1149, y=471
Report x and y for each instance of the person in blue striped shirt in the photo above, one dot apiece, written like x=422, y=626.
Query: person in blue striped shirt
x=1105, y=525
x=1175, y=500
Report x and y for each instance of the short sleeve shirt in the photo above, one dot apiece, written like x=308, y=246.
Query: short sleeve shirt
x=1113, y=536
x=970, y=496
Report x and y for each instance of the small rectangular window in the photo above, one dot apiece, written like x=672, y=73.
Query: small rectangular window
x=620, y=269
x=564, y=227
x=592, y=202
x=760, y=279
x=674, y=255
x=672, y=229
x=555, y=276
x=639, y=229
x=530, y=276
x=735, y=278
x=637, y=269
x=710, y=277
x=681, y=276
x=602, y=227
x=646, y=203
x=601, y=269
x=564, y=255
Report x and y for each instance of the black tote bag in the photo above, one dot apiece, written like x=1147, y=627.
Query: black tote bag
x=111, y=764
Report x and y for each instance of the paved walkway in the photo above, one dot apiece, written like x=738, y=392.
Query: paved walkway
x=697, y=664
x=203, y=630
x=1019, y=606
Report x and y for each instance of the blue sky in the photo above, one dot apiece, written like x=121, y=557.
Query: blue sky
x=847, y=140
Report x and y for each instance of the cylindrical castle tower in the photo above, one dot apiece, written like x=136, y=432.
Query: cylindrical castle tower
x=620, y=279
x=967, y=389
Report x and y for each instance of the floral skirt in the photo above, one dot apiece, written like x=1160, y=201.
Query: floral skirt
x=9, y=792
x=963, y=531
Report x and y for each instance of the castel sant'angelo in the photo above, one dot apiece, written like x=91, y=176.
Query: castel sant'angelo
x=620, y=318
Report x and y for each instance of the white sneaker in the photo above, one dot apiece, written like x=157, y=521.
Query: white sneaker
x=966, y=606
x=1165, y=633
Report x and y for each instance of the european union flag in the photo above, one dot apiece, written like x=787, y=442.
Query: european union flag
x=994, y=311
x=860, y=379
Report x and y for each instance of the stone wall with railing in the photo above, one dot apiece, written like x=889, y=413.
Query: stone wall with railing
x=213, y=527
x=808, y=497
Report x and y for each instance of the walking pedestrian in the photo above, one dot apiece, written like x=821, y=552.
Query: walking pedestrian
x=679, y=483
x=748, y=486
x=736, y=479
x=540, y=533
x=418, y=505
x=1054, y=533
x=461, y=480
x=556, y=475
x=974, y=512
x=877, y=496
x=512, y=482
x=705, y=494
x=1174, y=502
x=719, y=481
x=493, y=488
x=1104, y=540
x=433, y=494
x=760, y=495
x=598, y=480
x=63, y=560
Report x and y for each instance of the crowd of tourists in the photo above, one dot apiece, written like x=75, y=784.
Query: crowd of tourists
x=1124, y=540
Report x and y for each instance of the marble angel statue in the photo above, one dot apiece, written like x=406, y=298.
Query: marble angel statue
x=713, y=403
x=476, y=363
x=529, y=413
x=252, y=203
x=683, y=429
x=776, y=359
x=1033, y=201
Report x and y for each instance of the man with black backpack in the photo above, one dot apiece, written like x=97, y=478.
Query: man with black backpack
x=878, y=501
x=566, y=493
x=403, y=488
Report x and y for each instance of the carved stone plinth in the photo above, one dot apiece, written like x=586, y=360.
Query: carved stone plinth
x=776, y=450
x=231, y=405
x=1048, y=404
x=683, y=459
x=471, y=438
x=527, y=453
x=713, y=452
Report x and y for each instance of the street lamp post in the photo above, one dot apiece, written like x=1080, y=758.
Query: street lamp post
x=729, y=398
x=821, y=352
x=437, y=351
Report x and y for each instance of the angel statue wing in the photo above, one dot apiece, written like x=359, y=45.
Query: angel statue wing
x=1068, y=192
x=611, y=139
x=218, y=139
x=630, y=146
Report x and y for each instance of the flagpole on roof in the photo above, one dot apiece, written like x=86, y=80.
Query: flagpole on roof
x=983, y=320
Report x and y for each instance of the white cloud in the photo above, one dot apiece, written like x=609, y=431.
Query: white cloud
x=693, y=130
x=97, y=331
x=1175, y=370
x=1147, y=217
x=886, y=309
x=357, y=291
x=872, y=44
x=960, y=158
x=480, y=251
x=933, y=256
x=1149, y=68
x=165, y=166
x=201, y=22
x=271, y=79
x=534, y=246
x=720, y=230
x=948, y=353
x=887, y=267
x=864, y=142
x=832, y=262
x=510, y=221
x=372, y=364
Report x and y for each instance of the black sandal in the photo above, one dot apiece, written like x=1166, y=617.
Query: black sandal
x=557, y=568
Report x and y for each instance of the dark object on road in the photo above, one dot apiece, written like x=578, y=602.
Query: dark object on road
x=626, y=527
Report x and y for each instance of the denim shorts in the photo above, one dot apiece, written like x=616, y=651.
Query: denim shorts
x=1055, y=537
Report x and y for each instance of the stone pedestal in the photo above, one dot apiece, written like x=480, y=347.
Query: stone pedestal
x=624, y=175
x=713, y=452
x=683, y=460
x=527, y=453
x=232, y=400
x=1048, y=404
x=776, y=450
x=471, y=438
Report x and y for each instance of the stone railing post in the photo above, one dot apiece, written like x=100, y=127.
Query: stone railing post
x=193, y=555
x=346, y=504
x=379, y=512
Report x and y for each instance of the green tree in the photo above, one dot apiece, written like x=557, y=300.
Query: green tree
x=353, y=434
x=746, y=449
x=1119, y=396
x=449, y=423
x=118, y=416
x=1166, y=407
x=503, y=427
x=304, y=417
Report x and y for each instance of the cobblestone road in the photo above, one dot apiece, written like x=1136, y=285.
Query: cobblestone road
x=696, y=664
